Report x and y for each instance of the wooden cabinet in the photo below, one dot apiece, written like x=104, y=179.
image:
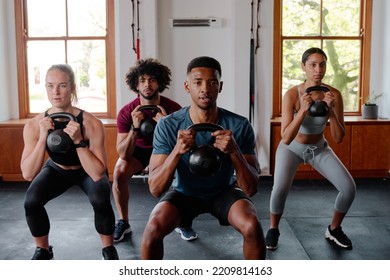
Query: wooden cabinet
x=112, y=154
x=11, y=148
x=365, y=150
x=370, y=146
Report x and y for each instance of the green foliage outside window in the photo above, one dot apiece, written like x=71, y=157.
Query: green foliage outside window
x=332, y=25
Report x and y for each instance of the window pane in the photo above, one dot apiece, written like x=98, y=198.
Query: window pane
x=46, y=18
x=301, y=18
x=88, y=60
x=341, y=18
x=87, y=17
x=40, y=56
x=343, y=70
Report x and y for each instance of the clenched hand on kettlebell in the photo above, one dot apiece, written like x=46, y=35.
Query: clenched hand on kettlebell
x=318, y=108
x=148, y=124
x=205, y=160
x=58, y=141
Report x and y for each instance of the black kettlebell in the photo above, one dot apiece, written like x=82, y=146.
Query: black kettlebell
x=205, y=160
x=148, y=124
x=58, y=141
x=318, y=108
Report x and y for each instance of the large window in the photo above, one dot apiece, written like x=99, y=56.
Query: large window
x=77, y=32
x=341, y=28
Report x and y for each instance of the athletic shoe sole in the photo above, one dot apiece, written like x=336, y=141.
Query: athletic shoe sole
x=193, y=237
x=271, y=247
x=123, y=235
x=338, y=243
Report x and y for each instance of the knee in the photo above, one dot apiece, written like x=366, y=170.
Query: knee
x=99, y=197
x=123, y=172
x=28, y=205
x=152, y=233
x=153, y=230
x=251, y=230
x=349, y=190
x=31, y=203
x=119, y=173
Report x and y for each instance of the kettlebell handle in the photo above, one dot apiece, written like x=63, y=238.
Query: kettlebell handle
x=205, y=127
x=149, y=107
x=315, y=88
x=65, y=115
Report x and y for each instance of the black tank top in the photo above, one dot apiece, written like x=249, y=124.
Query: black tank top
x=70, y=158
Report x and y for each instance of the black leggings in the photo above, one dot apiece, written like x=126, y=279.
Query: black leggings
x=53, y=181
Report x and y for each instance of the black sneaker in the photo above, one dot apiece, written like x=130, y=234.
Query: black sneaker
x=121, y=228
x=110, y=253
x=43, y=254
x=272, y=238
x=338, y=237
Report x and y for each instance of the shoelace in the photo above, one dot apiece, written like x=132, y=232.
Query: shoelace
x=121, y=226
x=309, y=151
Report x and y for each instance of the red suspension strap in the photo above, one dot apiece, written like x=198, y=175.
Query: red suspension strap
x=138, y=40
x=133, y=25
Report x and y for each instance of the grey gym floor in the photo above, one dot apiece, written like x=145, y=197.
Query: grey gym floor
x=308, y=212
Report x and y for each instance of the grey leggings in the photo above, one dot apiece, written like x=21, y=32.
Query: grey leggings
x=323, y=159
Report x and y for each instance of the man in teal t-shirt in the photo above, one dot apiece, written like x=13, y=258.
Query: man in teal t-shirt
x=185, y=195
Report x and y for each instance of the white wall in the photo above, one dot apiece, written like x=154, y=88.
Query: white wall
x=175, y=47
x=125, y=55
x=380, y=56
x=8, y=80
x=178, y=45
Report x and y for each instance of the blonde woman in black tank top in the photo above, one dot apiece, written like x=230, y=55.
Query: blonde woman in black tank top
x=84, y=165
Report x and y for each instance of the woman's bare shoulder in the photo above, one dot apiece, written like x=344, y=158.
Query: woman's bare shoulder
x=91, y=122
x=34, y=121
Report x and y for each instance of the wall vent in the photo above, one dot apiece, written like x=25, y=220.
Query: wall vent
x=195, y=22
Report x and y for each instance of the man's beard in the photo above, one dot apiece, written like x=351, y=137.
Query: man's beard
x=149, y=97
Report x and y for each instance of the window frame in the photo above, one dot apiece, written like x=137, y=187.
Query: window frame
x=365, y=56
x=21, y=52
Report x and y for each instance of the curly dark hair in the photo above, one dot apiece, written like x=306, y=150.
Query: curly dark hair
x=151, y=67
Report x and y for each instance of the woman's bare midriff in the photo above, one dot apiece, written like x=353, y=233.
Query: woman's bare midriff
x=65, y=167
x=308, y=138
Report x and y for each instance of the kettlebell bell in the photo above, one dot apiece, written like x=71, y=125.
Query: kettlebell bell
x=148, y=124
x=205, y=160
x=58, y=141
x=318, y=108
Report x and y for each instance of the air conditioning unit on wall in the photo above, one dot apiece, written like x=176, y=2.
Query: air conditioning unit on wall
x=195, y=22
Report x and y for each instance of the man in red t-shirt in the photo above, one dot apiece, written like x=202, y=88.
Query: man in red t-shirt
x=148, y=78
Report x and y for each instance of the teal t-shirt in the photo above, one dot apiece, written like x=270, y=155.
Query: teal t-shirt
x=165, y=136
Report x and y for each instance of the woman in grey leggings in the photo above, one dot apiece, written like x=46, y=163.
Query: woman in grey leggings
x=303, y=141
